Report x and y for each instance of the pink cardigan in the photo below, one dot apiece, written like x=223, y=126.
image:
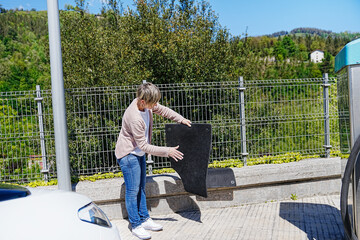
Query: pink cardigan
x=132, y=131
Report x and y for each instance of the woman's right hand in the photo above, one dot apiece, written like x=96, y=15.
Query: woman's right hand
x=175, y=154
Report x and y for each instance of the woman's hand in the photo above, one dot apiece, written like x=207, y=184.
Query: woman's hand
x=175, y=154
x=186, y=122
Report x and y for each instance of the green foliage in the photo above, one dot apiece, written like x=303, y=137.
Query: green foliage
x=13, y=166
x=100, y=176
x=294, y=197
x=160, y=41
x=39, y=183
x=23, y=45
x=278, y=159
x=163, y=170
x=285, y=48
x=229, y=163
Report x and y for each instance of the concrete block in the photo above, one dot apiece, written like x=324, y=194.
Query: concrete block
x=253, y=184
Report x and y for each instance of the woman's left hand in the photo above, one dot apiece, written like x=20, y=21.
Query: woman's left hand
x=186, y=122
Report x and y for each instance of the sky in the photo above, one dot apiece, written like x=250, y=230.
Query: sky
x=257, y=17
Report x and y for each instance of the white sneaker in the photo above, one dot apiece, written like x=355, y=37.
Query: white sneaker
x=141, y=233
x=151, y=225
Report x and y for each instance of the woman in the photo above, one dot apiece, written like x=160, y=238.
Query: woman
x=132, y=144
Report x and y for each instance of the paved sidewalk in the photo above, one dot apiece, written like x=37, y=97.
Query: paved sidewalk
x=308, y=218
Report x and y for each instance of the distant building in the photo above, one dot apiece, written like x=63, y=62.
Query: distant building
x=98, y=16
x=317, y=56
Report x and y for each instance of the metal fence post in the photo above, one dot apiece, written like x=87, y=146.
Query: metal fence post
x=326, y=86
x=39, y=99
x=242, y=119
x=149, y=160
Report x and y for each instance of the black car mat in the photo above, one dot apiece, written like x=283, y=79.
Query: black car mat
x=195, y=143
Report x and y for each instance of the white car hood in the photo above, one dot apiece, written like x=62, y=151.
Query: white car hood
x=48, y=214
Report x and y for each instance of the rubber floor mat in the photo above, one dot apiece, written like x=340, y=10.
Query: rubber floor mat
x=195, y=143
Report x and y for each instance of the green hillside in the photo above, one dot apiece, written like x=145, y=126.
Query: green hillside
x=161, y=41
x=303, y=32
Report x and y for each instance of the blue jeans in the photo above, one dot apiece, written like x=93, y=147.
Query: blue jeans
x=134, y=170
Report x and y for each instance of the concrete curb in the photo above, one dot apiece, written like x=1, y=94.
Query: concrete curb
x=253, y=184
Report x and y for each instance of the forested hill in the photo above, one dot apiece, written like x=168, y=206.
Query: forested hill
x=313, y=32
x=160, y=41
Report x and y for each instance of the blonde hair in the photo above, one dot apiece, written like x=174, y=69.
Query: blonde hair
x=149, y=93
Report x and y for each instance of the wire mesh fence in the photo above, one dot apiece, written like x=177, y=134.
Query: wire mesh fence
x=344, y=116
x=281, y=116
x=288, y=116
x=21, y=157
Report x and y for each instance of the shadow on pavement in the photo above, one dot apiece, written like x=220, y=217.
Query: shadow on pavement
x=318, y=221
x=184, y=205
x=191, y=215
x=164, y=219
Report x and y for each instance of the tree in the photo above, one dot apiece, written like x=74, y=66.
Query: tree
x=2, y=10
x=161, y=41
x=327, y=65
